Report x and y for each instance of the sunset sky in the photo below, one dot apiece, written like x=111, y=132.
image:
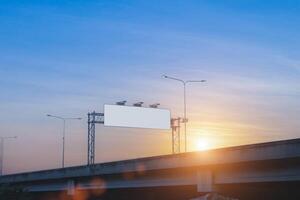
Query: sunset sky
x=68, y=58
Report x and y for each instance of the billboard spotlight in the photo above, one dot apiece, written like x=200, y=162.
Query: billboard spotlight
x=154, y=105
x=121, y=103
x=138, y=104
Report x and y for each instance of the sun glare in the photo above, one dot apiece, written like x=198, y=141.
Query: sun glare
x=202, y=144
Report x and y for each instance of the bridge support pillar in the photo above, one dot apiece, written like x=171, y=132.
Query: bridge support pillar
x=204, y=180
x=71, y=187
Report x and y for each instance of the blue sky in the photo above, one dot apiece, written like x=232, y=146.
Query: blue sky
x=70, y=57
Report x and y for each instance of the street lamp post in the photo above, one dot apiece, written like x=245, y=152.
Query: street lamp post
x=64, y=132
x=184, y=82
x=2, y=139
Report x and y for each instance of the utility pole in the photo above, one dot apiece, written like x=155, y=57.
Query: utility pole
x=2, y=139
x=64, y=133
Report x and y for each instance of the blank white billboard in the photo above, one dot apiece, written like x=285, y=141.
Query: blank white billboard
x=136, y=117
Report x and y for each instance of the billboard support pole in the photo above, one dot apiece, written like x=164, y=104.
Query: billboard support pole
x=175, y=125
x=93, y=119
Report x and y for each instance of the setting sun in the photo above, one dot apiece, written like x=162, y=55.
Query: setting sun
x=202, y=144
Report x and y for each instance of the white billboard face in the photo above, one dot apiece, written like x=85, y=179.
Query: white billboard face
x=136, y=117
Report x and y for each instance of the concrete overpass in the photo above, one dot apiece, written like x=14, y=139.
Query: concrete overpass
x=266, y=169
